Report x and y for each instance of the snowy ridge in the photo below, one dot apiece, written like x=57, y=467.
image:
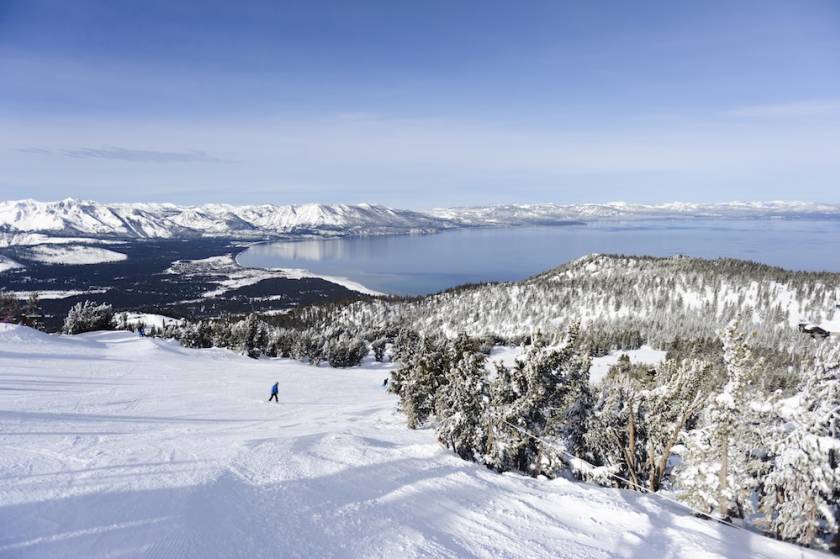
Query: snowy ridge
x=74, y=217
x=541, y=214
x=176, y=453
x=86, y=218
x=662, y=297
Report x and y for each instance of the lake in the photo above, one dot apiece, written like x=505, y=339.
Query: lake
x=419, y=264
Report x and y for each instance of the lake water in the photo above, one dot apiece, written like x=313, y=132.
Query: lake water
x=418, y=264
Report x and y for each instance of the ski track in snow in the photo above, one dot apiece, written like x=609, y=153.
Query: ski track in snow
x=120, y=446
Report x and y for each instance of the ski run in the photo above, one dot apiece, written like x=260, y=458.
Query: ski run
x=119, y=446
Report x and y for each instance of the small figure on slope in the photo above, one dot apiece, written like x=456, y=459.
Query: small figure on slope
x=274, y=390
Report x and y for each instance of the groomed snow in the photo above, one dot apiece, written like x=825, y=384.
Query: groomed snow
x=119, y=446
x=73, y=255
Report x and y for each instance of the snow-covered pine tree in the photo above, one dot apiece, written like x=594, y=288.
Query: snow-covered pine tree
x=502, y=443
x=461, y=408
x=668, y=408
x=802, y=491
x=346, y=351
x=88, y=317
x=417, y=381
x=32, y=311
x=251, y=336
x=537, y=398
x=10, y=310
x=615, y=428
x=378, y=346
x=720, y=469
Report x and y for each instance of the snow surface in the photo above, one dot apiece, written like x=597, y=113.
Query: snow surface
x=7, y=263
x=644, y=355
x=832, y=326
x=73, y=255
x=54, y=294
x=31, y=239
x=119, y=446
x=148, y=319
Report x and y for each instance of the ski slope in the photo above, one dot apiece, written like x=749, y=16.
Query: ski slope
x=113, y=445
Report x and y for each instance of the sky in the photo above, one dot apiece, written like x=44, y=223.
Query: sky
x=420, y=104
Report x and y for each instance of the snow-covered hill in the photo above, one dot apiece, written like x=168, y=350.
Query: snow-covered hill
x=662, y=298
x=20, y=219
x=115, y=445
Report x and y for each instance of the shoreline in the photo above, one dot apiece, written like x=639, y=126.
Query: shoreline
x=300, y=273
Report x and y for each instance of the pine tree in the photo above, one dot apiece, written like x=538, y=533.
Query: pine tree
x=10, y=310
x=802, y=491
x=88, y=317
x=32, y=312
x=418, y=381
x=720, y=470
x=378, y=347
x=250, y=336
x=537, y=398
x=667, y=410
x=505, y=389
x=462, y=407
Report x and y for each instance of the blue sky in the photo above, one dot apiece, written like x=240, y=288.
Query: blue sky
x=420, y=104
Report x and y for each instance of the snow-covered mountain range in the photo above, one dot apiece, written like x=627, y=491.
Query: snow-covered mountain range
x=137, y=220
x=22, y=218
x=536, y=214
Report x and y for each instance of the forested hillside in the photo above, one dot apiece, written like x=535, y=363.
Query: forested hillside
x=621, y=302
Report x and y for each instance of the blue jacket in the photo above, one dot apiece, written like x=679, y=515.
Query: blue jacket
x=275, y=388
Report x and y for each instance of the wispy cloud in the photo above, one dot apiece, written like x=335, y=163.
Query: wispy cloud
x=789, y=110
x=127, y=154
x=143, y=155
x=34, y=151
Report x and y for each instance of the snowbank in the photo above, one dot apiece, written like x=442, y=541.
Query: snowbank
x=832, y=326
x=116, y=445
x=148, y=319
x=645, y=354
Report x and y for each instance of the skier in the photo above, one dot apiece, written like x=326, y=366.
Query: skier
x=274, y=390
x=142, y=331
x=385, y=383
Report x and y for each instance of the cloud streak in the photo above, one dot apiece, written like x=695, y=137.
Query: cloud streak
x=127, y=154
x=794, y=109
x=143, y=155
